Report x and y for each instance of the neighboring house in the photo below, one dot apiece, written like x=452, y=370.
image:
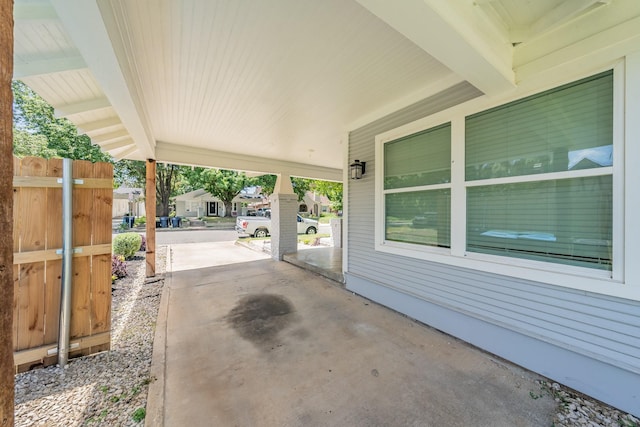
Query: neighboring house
x=199, y=203
x=128, y=201
x=314, y=203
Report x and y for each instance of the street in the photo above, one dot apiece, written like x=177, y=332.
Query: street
x=171, y=237
x=194, y=236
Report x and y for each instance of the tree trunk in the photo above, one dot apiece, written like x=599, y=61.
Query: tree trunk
x=227, y=209
x=6, y=215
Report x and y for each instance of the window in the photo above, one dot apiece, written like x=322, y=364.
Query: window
x=525, y=188
x=417, y=195
x=539, y=176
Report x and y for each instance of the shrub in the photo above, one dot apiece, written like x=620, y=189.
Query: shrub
x=141, y=220
x=118, y=267
x=127, y=244
x=143, y=244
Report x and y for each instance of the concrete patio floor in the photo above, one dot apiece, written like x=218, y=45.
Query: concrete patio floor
x=243, y=340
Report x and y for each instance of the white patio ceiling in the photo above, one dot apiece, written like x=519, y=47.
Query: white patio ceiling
x=273, y=86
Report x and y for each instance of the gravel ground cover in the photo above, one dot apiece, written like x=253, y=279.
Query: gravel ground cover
x=575, y=409
x=108, y=388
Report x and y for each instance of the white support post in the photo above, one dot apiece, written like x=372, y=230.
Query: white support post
x=284, y=208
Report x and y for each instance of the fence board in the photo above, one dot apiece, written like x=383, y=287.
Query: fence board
x=32, y=237
x=53, y=269
x=81, y=288
x=101, y=264
x=16, y=248
x=37, y=268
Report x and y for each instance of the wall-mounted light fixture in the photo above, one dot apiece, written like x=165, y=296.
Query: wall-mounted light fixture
x=357, y=169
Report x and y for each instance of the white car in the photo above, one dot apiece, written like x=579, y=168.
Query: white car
x=258, y=226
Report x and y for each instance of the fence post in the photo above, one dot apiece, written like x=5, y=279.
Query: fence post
x=150, y=192
x=67, y=257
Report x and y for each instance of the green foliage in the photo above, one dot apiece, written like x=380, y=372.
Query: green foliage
x=31, y=144
x=140, y=220
x=126, y=244
x=133, y=173
x=190, y=179
x=268, y=182
x=130, y=173
x=139, y=414
x=332, y=190
x=224, y=185
x=38, y=132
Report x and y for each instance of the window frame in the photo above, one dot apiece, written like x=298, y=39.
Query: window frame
x=583, y=278
x=416, y=188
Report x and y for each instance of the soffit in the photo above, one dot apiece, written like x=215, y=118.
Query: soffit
x=280, y=83
x=279, y=80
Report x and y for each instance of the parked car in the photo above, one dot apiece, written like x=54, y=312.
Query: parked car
x=258, y=226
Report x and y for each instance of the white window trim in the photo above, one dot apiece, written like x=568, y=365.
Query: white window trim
x=611, y=283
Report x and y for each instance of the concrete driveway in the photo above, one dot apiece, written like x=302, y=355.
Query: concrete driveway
x=243, y=340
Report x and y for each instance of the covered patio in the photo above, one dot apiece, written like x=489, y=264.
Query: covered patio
x=301, y=88
x=245, y=340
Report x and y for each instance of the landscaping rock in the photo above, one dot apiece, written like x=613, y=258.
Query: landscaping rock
x=109, y=387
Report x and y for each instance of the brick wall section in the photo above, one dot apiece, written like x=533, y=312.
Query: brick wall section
x=284, y=235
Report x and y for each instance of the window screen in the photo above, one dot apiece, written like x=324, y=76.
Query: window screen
x=567, y=221
x=568, y=128
x=417, y=194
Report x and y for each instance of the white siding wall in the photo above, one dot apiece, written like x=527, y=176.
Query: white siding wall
x=587, y=341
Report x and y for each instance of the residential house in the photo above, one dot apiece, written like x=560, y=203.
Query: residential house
x=199, y=203
x=488, y=208
x=314, y=203
x=128, y=201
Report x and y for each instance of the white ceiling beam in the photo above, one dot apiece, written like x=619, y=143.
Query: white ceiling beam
x=24, y=69
x=82, y=107
x=125, y=153
x=192, y=156
x=118, y=144
x=99, y=125
x=565, y=11
x=83, y=21
x=32, y=11
x=603, y=47
x=457, y=35
x=111, y=136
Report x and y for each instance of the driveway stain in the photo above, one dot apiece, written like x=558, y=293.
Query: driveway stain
x=260, y=318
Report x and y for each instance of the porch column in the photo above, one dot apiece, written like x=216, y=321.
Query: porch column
x=284, y=207
x=6, y=215
x=150, y=207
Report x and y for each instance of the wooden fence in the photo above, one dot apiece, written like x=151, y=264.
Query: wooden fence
x=37, y=264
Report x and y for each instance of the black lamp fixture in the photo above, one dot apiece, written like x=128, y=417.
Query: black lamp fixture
x=357, y=169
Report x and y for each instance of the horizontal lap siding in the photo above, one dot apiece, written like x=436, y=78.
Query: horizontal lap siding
x=597, y=326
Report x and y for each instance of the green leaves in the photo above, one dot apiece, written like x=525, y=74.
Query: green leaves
x=38, y=132
x=224, y=185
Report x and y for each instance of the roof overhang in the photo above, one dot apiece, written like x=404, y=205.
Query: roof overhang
x=275, y=87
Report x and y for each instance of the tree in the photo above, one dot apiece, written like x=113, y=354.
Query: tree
x=225, y=185
x=132, y=173
x=190, y=179
x=268, y=182
x=31, y=144
x=332, y=190
x=38, y=132
x=166, y=177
